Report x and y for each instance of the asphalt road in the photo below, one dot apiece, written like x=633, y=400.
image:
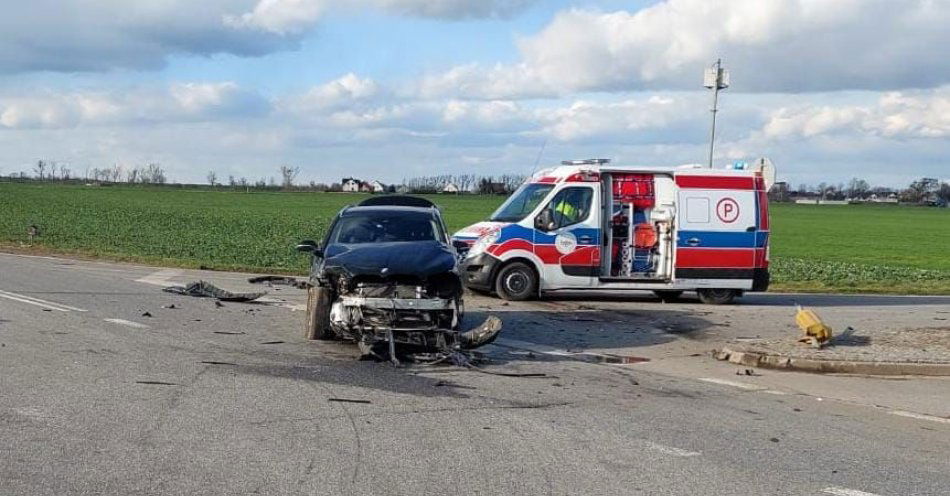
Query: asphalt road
x=105, y=389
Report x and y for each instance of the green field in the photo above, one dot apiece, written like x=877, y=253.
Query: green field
x=814, y=248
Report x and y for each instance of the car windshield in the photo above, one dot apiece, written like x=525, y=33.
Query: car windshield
x=386, y=227
x=522, y=202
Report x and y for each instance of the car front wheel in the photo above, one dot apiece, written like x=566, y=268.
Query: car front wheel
x=318, y=314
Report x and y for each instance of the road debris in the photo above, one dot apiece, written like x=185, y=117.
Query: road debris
x=280, y=281
x=273, y=342
x=146, y=314
x=170, y=307
x=158, y=383
x=814, y=331
x=347, y=400
x=203, y=289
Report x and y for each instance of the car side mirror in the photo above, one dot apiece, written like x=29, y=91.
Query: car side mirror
x=545, y=220
x=310, y=246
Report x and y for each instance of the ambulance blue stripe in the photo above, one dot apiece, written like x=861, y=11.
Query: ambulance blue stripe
x=720, y=239
x=515, y=231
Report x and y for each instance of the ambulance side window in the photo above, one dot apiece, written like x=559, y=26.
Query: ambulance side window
x=697, y=210
x=570, y=206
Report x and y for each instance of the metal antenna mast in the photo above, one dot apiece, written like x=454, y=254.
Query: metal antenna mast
x=715, y=78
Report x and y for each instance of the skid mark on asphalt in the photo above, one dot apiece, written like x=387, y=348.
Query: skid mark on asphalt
x=843, y=491
x=670, y=450
x=919, y=416
x=127, y=323
x=59, y=307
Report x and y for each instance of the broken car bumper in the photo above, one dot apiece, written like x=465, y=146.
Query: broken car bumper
x=477, y=271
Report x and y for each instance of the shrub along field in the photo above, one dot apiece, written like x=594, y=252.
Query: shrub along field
x=814, y=248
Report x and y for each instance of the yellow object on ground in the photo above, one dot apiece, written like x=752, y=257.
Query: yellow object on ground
x=816, y=332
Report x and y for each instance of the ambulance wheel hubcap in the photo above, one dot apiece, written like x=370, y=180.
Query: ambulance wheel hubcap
x=516, y=282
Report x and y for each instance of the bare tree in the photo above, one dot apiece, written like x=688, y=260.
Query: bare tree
x=114, y=173
x=64, y=172
x=153, y=173
x=212, y=178
x=40, y=169
x=857, y=188
x=288, y=174
x=132, y=176
x=231, y=181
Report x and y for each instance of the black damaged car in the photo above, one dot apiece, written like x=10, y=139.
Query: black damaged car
x=387, y=274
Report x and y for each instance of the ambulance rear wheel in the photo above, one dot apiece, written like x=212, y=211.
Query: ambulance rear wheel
x=668, y=296
x=717, y=296
x=517, y=282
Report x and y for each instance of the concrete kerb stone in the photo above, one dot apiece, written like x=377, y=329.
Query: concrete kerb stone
x=782, y=362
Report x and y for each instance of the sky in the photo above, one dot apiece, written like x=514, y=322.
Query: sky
x=391, y=89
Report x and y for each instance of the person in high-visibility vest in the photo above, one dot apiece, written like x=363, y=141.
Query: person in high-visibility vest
x=568, y=212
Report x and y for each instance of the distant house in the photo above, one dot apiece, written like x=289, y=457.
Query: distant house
x=377, y=186
x=351, y=185
x=450, y=188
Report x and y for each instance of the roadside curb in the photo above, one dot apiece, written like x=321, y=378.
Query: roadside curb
x=784, y=362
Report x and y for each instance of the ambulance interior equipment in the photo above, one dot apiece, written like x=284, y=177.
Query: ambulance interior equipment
x=639, y=226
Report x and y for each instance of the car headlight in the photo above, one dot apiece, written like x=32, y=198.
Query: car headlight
x=483, y=243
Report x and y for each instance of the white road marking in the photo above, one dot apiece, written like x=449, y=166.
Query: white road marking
x=127, y=323
x=920, y=416
x=669, y=450
x=726, y=382
x=160, y=278
x=843, y=491
x=59, y=307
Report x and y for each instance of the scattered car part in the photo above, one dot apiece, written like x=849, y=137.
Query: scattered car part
x=280, y=280
x=202, y=289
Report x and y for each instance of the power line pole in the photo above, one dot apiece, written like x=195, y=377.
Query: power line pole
x=716, y=78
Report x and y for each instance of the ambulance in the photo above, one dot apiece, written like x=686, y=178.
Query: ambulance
x=590, y=225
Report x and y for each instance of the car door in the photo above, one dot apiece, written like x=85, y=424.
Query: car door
x=716, y=235
x=569, y=244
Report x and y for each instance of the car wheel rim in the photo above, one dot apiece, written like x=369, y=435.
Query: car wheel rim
x=516, y=282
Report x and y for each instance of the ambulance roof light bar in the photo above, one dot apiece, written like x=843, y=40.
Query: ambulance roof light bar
x=589, y=161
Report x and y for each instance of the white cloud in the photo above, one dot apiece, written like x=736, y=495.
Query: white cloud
x=893, y=115
x=780, y=45
x=343, y=91
x=179, y=102
x=102, y=35
x=279, y=16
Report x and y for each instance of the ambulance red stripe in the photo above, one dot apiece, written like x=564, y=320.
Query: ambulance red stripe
x=689, y=258
x=715, y=182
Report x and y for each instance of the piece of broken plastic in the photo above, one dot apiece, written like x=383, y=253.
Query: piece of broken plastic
x=202, y=289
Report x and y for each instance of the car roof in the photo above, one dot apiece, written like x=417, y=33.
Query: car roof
x=388, y=208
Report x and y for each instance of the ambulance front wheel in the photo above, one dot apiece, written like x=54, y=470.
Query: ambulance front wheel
x=717, y=296
x=517, y=282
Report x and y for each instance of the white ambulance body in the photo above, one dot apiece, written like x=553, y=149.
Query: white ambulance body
x=590, y=225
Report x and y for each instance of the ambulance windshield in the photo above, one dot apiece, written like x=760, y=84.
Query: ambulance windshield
x=522, y=202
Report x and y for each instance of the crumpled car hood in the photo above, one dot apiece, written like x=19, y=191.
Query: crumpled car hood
x=420, y=259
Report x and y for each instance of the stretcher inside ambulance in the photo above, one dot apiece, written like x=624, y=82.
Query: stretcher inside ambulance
x=590, y=225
